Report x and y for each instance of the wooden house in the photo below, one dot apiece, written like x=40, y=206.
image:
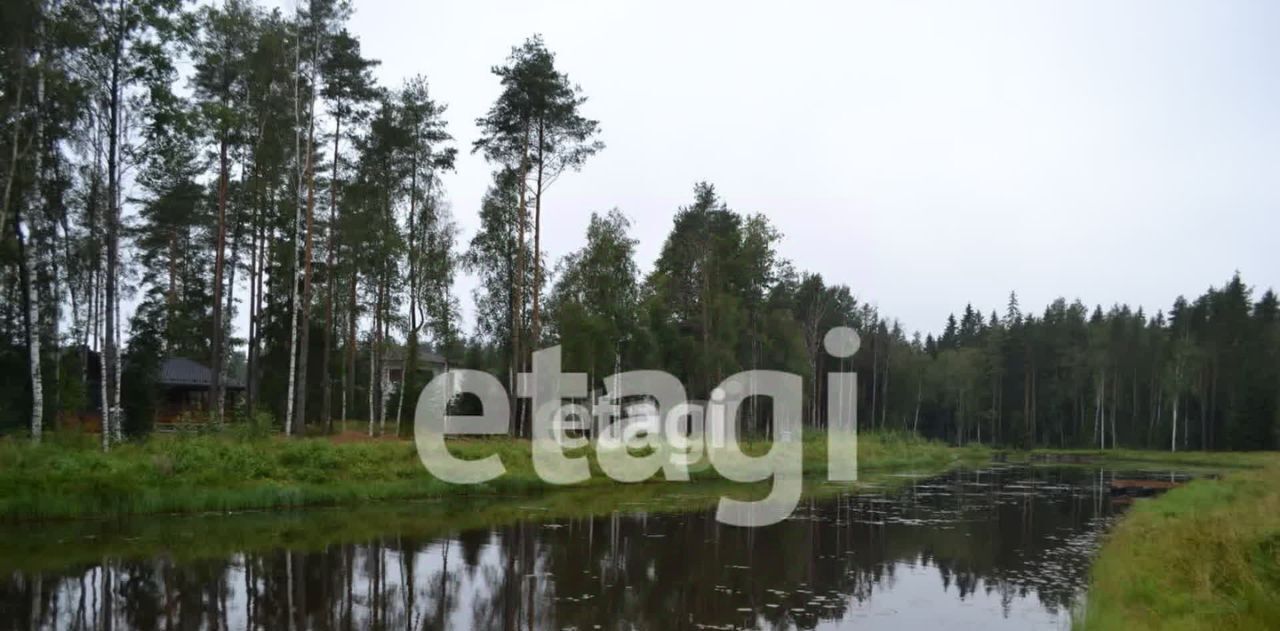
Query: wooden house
x=184, y=391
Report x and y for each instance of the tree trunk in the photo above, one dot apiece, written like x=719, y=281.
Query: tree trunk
x=255, y=284
x=233, y=263
x=108, y=358
x=409, y=363
x=14, y=154
x=384, y=321
x=349, y=371
x=915, y=424
x=517, y=360
x=215, y=371
x=117, y=427
x=400, y=396
x=373, y=359
x=77, y=321
x=1100, y=412
x=294, y=308
x=535, y=326
x=330, y=277
x=305, y=314
x=101, y=338
x=27, y=253
x=1115, y=396
x=348, y=376
x=297, y=237
x=27, y=257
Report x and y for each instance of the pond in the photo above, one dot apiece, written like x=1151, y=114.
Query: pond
x=997, y=547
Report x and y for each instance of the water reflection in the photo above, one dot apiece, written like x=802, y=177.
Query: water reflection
x=1000, y=547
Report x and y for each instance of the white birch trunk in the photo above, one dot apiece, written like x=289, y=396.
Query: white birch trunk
x=33, y=338
x=29, y=252
x=117, y=423
x=102, y=371
x=915, y=423
x=297, y=231
x=373, y=371
x=400, y=399
x=294, y=308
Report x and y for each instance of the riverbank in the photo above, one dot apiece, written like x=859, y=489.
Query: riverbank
x=190, y=537
x=69, y=477
x=1203, y=556
x=1216, y=460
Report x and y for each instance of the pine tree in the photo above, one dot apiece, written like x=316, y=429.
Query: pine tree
x=348, y=88
x=535, y=129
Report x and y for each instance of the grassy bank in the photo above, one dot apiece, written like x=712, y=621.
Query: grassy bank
x=56, y=545
x=1204, y=556
x=70, y=477
x=1216, y=460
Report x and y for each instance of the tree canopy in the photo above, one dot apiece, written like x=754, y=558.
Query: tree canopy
x=168, y=170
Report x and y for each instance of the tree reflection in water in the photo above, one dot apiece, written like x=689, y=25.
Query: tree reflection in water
x=992, y=547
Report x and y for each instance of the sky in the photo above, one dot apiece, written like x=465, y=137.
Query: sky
x=927, y=154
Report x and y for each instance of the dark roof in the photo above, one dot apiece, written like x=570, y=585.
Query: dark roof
x=179, y=371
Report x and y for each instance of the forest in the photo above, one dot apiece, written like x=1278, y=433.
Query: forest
x=169, y=169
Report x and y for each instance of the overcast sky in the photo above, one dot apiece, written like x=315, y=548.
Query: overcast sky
x=927, y=154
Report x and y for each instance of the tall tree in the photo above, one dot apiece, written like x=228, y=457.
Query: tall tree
x=493, y=255
x=221, y=86
x=535, y=129
x=563, y=138
x=348, y=87
x=429, y=233
x=129, y=41
x=319, y=25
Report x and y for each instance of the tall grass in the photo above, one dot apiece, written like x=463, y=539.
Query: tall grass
x=1204, y=556
x=71, y=477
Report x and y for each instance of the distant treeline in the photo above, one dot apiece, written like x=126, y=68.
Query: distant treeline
x=209, y=161
x=1204, y=375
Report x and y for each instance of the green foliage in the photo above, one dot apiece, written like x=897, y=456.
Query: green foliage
x=268, y=89
x=536, y=118
x=491, y=255
x=593, y=305
x=1069, y=378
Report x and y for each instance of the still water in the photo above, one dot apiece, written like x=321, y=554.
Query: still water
x=1000, y=547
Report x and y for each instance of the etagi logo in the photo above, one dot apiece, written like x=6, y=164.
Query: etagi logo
x=646, y=411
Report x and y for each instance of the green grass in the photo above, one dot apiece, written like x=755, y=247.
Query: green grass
x=1210, y=459
x=1203, y=556
x=70, y=477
